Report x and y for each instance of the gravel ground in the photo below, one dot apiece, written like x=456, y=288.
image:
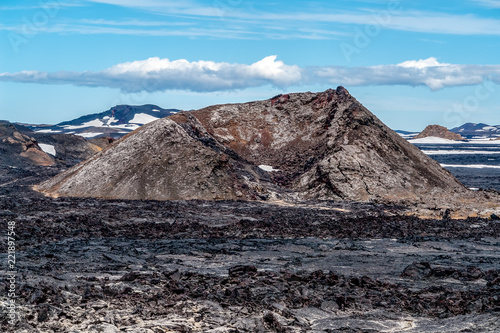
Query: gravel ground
x=87, y=265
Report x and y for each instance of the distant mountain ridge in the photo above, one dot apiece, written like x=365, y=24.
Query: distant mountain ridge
x=478, y=131
x=123, y=119
x=115, y=122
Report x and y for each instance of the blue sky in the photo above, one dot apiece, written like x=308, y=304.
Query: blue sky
x=412, y=63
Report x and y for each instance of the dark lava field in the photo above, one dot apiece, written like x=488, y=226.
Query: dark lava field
x=87, y=265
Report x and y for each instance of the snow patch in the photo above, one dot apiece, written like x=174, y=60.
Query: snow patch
x=130, y=127
x=433, y=139
x=143, y=118
x=49, y=149
x=47, y=131
x=407, y=136
x=459, y=152
x=472, y=166
x=267, y=168
x=89, y=134
x=92, y=123
x=155, y=110
x=485, y=141
x=109, y=120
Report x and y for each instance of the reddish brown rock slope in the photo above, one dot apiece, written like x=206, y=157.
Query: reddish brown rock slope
x=327, y=145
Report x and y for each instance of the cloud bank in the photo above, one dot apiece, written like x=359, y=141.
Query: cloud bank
x=428, y=72
x=156, y=74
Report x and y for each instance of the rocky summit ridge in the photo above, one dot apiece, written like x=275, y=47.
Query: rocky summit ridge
x=323, y=145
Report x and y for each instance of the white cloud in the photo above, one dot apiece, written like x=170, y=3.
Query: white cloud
x=184, y=7
x=223, y=19
x=229, y=19
x=156, y=74
x=134, y=23
x=422, y=63
x=133, y=31
x=395, y=19
x=188, y=29
x=41, y=5
x=424, y=72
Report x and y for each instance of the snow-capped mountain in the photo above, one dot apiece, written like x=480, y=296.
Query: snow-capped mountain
x=115, y=122
x=468, y=131
x=478, y=131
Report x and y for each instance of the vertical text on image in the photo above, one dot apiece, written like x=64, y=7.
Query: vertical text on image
x=11, y=272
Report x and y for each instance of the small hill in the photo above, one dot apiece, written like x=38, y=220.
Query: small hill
x=318, y=145
x=163, y=160
x=439, y=132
